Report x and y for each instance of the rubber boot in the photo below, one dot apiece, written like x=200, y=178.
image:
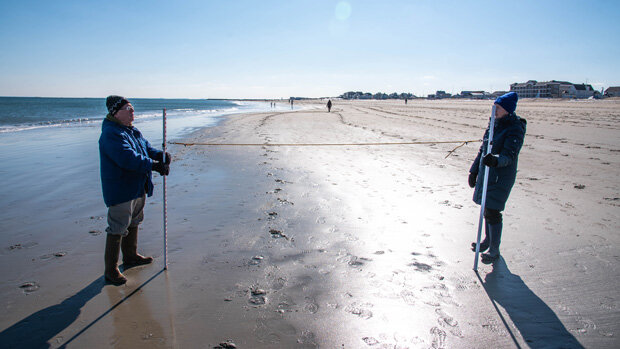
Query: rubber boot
x=131, y=258
x=495, y=232
x=112, y=250
x=484, y=244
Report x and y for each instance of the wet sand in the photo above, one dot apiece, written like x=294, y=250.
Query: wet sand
x=339, y=246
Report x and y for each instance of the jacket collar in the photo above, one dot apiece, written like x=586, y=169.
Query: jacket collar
x=111, y=118
x=507, y=119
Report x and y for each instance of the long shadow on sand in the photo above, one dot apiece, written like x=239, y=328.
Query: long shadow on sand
x=537, y=323
x=36, y=330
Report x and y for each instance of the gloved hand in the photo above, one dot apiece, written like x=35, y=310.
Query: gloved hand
x=160, y=156
x=160, y=167
x=490, y=160
x=472, y=179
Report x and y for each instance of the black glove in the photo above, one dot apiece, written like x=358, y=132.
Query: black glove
x=490, y=160
x=472, y=179
x=163, y=169
x=160, y=157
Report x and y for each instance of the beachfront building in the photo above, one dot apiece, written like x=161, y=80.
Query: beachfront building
x=535, y=89
x=475, y=95
x=584, y=91
x=442, y=94
x=613, y=91
x=552, y=89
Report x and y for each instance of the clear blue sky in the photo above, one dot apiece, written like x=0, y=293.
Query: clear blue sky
x=273, y=49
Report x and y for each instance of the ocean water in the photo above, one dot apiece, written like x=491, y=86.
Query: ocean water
x=26, y=113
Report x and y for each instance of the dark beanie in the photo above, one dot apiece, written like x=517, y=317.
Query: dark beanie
x=115, y=103
x=508, y=101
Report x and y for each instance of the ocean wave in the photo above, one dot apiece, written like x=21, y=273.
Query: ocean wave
x=189, y=112
x=49, y=124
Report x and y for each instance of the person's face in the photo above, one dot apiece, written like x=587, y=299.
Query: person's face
x=125, y=115
x=499, y=111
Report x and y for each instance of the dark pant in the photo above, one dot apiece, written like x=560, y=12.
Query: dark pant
x=492, y=216
x=494, y=225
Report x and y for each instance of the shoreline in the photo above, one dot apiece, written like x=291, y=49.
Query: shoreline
x=368, y=245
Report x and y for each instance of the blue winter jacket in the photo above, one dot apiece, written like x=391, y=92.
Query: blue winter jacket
x=508, y=136
x=126, y=163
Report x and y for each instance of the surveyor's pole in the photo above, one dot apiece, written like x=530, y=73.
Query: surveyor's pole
x=484, y=186
x=165, y=198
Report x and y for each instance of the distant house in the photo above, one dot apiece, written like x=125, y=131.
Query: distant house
x=498, y=93
x=442, y=94
x=584, y=91
x=613, y=91
x=475, y=94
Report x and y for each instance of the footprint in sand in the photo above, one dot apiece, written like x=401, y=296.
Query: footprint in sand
x=408, y=297
x=370, y=341
x=308, y=338
x=256, y=260
x=360, y=309
x=439, y=338
x=311, y=306
x=52, y=255
x=20, y=246
x=421, y=266
x=29, y=286
x=285, y=201
x=278, y=283
x=445, y=319
x=257, y=296
x=229, y=344
x=585, y=325
x=275, y=233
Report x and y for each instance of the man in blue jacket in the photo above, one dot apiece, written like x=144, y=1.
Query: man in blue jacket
x=508, y=136
x=127, y=160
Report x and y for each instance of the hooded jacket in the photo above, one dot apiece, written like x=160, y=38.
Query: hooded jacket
x=126, y=162
x=508, y=136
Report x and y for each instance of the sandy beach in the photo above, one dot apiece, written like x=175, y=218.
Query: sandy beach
x=342, y=246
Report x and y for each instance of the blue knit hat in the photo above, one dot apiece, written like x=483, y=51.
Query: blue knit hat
x=508, y=101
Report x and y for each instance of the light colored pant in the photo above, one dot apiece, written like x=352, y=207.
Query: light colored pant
x=124, y=215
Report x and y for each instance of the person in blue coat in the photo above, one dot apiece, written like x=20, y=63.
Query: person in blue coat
x=126, y=162
x=508, y=136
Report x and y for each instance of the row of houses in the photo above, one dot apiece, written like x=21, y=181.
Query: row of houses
x=535, y=89
x=378, y=95
x=467, y=95
x=529, y=89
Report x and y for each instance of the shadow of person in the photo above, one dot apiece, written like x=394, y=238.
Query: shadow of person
x=37, y=329
x=537, y=323
x=134, y=324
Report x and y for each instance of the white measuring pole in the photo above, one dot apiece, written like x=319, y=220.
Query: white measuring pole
x=484, y=187
x=165, y=199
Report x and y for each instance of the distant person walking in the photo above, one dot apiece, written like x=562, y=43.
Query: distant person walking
x=508, y=136
x=405, y=100
x=329, y=105
x=127, y=160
